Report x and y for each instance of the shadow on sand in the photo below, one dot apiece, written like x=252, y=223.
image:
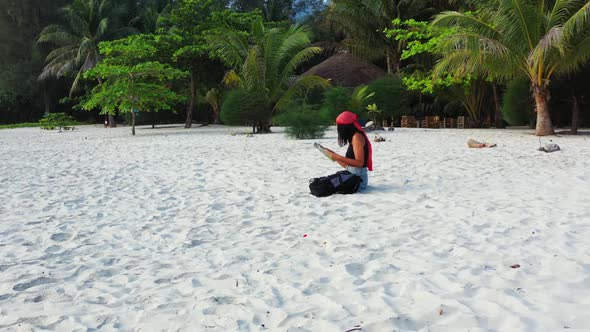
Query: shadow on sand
x=381, y=189
x=569, y=133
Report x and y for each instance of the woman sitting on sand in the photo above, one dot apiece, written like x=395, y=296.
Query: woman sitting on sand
x=359, y=156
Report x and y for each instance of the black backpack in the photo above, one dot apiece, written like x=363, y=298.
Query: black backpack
x=342, y=182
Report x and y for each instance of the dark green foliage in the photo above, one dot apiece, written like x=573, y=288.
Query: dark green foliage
x=242, y=107
x=517, y=104
x=390, y=96
x=264, y=62
x=302, y=122
x=75, y=44
x=57, y=120
x=20, y=59
x=336, y=100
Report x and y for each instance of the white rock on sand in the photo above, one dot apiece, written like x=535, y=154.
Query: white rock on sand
x=199, y=230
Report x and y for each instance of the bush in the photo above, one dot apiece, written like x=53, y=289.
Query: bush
x=390, y=96
x=336, y=100
x=302, y=122
x=517, y=103
x=57, y=120
x=242, y=107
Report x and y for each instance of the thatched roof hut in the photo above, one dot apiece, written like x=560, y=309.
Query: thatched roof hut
x=344, y=69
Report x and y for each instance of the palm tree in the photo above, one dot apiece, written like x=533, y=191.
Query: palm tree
x=146, y=13
x=213, y=97
x=508, y=39
x=363, y=23
x=264, y=63
x=88, y=23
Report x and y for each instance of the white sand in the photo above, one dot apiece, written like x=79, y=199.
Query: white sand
x=199, y=230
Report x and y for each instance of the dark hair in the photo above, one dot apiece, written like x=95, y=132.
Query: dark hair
x=345, y=133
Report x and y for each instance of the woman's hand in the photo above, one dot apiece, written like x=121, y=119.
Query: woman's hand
x=331, y=154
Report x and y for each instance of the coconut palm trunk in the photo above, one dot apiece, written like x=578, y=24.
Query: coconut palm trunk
x=508, y=39
x=544, y=126
x=498, y=112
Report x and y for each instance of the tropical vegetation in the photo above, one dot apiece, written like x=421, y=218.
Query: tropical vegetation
x=245, y=62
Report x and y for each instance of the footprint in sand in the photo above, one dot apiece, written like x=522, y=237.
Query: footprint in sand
x=355, y=269
x=35, y=282
x=193, y=243
x=61, y=237
x=52, y=249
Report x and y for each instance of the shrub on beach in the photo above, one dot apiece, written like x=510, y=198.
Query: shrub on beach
x=335, y=101
x=390, y=96
x=338, y=99
x=242, y=107
x=61, y=121
x=302, y=122
x=517, y=103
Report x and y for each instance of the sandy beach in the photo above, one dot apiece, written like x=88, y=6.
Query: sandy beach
x=202, y=230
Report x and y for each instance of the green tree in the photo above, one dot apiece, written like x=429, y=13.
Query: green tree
x=21, y=60
x=423, y=47
x=517, y=102
x=508, y=39
x=391, y=96
x=192, y=21
x=88, y=23
x=263, y=63
x=272, y=10
x=213, y=98
x=145, y=15
x=363, y=23
x=129, y=83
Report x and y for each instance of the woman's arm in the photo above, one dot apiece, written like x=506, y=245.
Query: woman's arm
x=358, y=145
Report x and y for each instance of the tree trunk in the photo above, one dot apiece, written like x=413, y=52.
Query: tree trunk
x=575, y=114
x=544, y=126
x=191, y=105
x=112, y=122
x=133, y=122
x=389, y=71
x=263, y=127
x=215, y=117
x=498, y=114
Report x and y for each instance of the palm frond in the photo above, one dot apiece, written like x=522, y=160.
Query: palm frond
x=61, y=54
x=576, y=58
x=253, y=72
x=300, y=88
x=231, y=46
x=578, y=21
x=296, y=61
x=554, y=40
x=562, y=10
x=466, y=22
x=67, y=68
x=76, y=84
x=232, y=80
x=56, y=35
